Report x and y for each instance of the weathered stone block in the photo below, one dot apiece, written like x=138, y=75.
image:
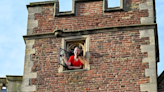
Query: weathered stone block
x=34, y=9
x=32, y=23
x=148, y=48
x=147, y=33
x=144, y=6
x=30, y=51
x=148, y=87
x=147, y=20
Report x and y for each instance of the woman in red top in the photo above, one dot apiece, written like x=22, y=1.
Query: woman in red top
x=74, y=62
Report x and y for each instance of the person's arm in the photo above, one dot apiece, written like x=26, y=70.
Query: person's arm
x=65, y=60
x=83, y=60
x=75, y=67
x=69, y=63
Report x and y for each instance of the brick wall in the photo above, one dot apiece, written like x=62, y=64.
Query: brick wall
x=90, y=15
x=116, y=64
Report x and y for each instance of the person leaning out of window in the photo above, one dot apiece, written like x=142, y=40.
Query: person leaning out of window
x=75, y=61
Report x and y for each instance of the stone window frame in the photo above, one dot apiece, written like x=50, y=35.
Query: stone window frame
x=87, y=54
x=112, y=9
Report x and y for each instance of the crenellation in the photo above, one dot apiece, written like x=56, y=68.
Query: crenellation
x=93, y=13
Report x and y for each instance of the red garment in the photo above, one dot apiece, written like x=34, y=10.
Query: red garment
x=73, y=62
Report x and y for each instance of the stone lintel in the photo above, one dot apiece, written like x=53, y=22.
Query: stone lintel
x=77, y=70
x=14, y=78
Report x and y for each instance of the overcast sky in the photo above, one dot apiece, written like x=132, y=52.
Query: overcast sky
x=13, y=25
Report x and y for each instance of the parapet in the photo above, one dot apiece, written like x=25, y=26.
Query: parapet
x=45, y=17
x=57, y=13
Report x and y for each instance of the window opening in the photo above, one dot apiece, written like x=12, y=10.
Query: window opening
x=113, y=3
x=65, y=6
x=67, y=48
x=70, y=46
x=70, y=51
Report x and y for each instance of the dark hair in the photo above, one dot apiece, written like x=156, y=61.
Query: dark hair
x=77, y=47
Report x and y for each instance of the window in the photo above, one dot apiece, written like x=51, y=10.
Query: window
x=65, y=6
x=113, y=3
x=69, y=44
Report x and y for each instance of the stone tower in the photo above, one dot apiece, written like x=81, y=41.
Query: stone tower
x=120, y=44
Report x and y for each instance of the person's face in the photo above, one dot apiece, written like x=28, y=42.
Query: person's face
x=76, y=51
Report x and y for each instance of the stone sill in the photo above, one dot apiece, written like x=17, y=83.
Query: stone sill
x=113, y=9
x=77, y=70
x=14, y=78
x=61, y=14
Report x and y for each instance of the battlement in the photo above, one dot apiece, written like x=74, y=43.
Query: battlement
x=45, y=17
x=99, y=6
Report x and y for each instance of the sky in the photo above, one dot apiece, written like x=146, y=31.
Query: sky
x=13, y=25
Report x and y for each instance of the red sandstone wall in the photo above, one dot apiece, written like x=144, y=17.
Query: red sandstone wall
x=116, y=65
x=90, y=15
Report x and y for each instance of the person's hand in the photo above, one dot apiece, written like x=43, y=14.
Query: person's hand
x=64, y=56
x=70, y=67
